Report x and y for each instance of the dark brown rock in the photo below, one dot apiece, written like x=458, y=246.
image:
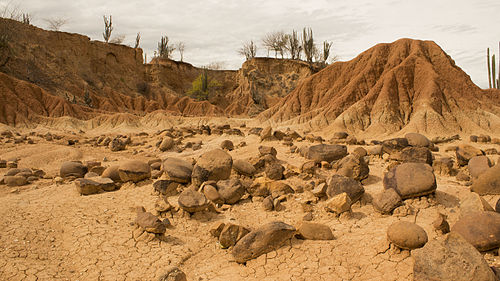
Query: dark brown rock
x=338, y=184
x=481, y=229
x=411, y=180
x=488, y=182
x=274, y=171
x=478, y=165
x=243, y=167
x=213, y=165
x=73, y=169
x=134, y=170
x=386, y=201
x=325, y=152
x=353, y=167
x=192, y=201
x=465, y=152
x=230, y=190
x=178, y=170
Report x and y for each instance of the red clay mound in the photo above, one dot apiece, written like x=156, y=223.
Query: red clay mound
x=407, y=85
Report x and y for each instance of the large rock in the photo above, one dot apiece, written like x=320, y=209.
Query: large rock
x=418, y=140
x=213, y=165
x=478, y=165
x=352, y=166
x=134, y=170
x=230, y=190
x=73, y=169
x=338, y=184
x=325, y=152
x=411, y=180
x=488, y=182
x=481, y=229
x=192, y=201
x=391, y=146
x=166, y=187
x=314, y=231
x=88, y=186
x=465, y=152
x=407, y=235
x=117, y=145
x=150, y=223
x=450, y=259
x=112, y=173
x=177, y=170
x=443, y=166
x=263, y=240
x=243, y=167
x=386, y=201
x=15, y=180
x=274, y=171
x=166, y=144
x=339, y=203
x=413, y=155
x=230, y=234
x=473, y=202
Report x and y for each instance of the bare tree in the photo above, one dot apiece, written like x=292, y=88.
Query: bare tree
x=137, y=40
x=108, y=28
x=293, y=45
x=11, y=11
x=181, y=47
x=164, y=50
x=249, y=50
x=56, y=23
x=276, y=41
x=27, y=18
x=308, y=44
x=118, y=39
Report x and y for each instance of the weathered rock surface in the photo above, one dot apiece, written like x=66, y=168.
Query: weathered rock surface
x=72, y=169
x=192, y=201
x=134, y=170
x=481, y=229
x=178, y=170
x=325, y=152
x=87, y=186
x=411, y=180
x=213, y=165
x=386, y=201
x=352, y=166
x=407, y=235
x=465, y=152
x=314, y=231
x=338, y=184
x=488, y=182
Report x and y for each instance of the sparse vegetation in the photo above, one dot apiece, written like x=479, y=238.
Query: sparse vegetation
x=55, y=24
x=86, y=98
x=118, y=39
x=308, y=44
x=493, y=81
x=26, y=18
x=181, y=47
x=276, y=41
x=216, y=65
x=293, y=45
x=249, y=50
x=108, y=28
x=137, y=40
x=326, y=50
x=164, y=49
x=202, y=86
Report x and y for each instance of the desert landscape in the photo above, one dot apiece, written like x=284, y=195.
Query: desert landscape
x=383, y=167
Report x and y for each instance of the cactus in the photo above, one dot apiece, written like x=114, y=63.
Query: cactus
x=489, y=66
x=108, y=28
x=493, y=70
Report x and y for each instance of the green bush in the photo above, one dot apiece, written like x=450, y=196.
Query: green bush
x=202, y=86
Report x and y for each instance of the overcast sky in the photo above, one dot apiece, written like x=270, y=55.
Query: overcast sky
x=213, y=30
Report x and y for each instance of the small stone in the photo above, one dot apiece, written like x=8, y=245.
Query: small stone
x=243, y=167
x=325, y=152
x=192, y=201
x=227, y=145
x=274, y=171
x=173, y=273
x=213, y=165
x=264, y=150
x=314, y=231
x=88, y=186
x=267, y=203
x=150, y=223
x=231, y=234
x=177, y=170
x=15, y=180
x=166, y=144
x=441, y=224
x=338, y=184
x=386, y=201
x=230, y=190
x=212, y=194
x=112, y=173
x=465, y=152
x=339, y=203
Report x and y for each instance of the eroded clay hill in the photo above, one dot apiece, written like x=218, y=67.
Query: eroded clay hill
x=54, y=74
x=407, y=85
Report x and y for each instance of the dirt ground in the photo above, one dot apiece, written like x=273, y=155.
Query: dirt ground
x=50, y=232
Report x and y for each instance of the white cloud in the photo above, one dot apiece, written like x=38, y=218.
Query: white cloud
x=213, y=30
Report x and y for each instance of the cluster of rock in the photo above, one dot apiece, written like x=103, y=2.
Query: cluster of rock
x=19, y=177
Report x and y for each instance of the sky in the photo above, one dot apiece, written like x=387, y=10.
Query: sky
x=214, y=30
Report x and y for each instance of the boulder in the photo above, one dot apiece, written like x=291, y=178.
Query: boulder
x=473, y=202
x=243, y=167
x=450, y=259
x=386, y=201
x=325, y=152
x=264, y=150
x=177, y=170
x=166, y=144
x=134, y=170
x=211, y=193
x=15, y=180
x=339, y=203
x=166, y=187
x=150, y=223
x=263, y=240
x=488, y=182
x=360, y=152
x=481, y=229
x=117, y=145
x=411, y=180
x=266, y=134
x=465, y=152
x=407, y=235
x=192, y=201
x=314, y=231
x=413, y=155
x=213, y=165
x=112, y=173
x=417, y=140
x=88, y=186
x=274, y=171
x=353, y=167
x=230, y=234
x=391, y=146
x=279, y=188
x=230, y=190
x=478, y=165
x=227, y=145
x=73, y=169
x=338, y=184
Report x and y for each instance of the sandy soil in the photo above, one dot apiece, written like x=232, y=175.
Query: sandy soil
x=48, y=231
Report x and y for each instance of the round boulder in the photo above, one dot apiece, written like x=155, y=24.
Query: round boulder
x=177, y=170
x=192, y=201
x=134, y=170
x=338, y=184
x=243, y=167
x=478, y=165
x=213, y=165
x=465, y=152
x=112, y=173
x=481, y=229
x=418, y=140
x=325, y=152
x=488, y=182
x=411, y=180
x=73, y=169
x=407, y=235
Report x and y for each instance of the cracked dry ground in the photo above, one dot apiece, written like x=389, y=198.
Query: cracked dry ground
x=50, y=232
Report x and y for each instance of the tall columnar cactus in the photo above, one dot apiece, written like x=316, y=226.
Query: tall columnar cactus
x=493, y=63
x=489, y=67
